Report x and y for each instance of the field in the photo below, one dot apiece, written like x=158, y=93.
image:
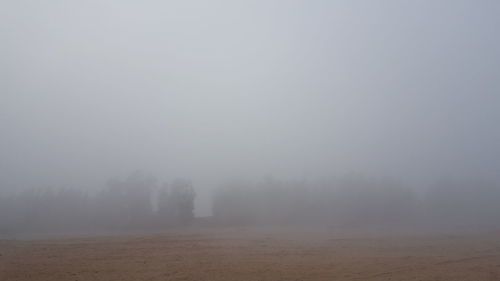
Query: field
x=256, y=254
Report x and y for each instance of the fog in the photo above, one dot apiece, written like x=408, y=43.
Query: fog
x=243, y=91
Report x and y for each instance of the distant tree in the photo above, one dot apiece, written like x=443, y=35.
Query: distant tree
x=179, y=203
x=235, y=203
x=139, y=186
x=127, y=203
x=164, y=208
x=472, y=202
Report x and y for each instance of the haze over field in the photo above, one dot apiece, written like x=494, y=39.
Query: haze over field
x=249, y=140
x=219, y=90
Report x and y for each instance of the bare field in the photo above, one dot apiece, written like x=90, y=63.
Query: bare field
x=255, y=254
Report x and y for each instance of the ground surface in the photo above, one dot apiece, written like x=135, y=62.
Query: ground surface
x=255, y=254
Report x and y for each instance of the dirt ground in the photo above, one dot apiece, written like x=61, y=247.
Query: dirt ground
x=255, y=254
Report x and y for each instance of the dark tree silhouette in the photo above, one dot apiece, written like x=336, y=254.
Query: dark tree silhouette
x=180, y=201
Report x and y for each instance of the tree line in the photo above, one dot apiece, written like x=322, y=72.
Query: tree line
x=358, y=201
x=138, y=202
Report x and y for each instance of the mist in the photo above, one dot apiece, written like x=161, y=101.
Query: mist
x=404, y=96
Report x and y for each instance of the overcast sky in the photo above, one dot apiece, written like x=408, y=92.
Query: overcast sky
x=208, y=90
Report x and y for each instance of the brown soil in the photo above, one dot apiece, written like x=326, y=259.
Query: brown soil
x=255, y=254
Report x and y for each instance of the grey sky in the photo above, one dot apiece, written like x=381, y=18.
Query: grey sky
x=213, y=89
